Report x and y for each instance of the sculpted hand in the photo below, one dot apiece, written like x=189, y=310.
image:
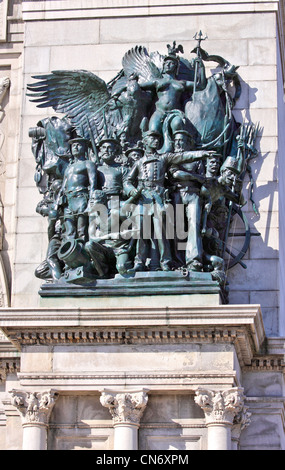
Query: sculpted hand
x=134, y=192
x=208, y=153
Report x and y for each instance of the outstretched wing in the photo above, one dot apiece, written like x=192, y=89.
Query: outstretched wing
x=137, y=61
x=81, y=95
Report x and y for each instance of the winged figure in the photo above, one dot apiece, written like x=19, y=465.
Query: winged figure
x=96, y=108
x=92, y=106
x=171, y=80
x=164, y=90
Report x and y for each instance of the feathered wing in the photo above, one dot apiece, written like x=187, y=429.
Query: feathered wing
x=137, y=61
x=80, y=95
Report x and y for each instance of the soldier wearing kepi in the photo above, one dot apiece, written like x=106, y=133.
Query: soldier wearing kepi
x=148, y=176
x=79, y=184
x=186, y=180
x=105, y=243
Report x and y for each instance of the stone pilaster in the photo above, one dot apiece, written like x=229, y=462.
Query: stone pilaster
x=126, y=409
x=35, y=409
x=220, y=408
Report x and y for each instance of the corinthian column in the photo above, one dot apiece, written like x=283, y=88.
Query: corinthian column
x=220, y=408
x=126, y=409
x=35, y=409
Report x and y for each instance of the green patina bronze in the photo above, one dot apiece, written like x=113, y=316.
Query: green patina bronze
x=142, y=175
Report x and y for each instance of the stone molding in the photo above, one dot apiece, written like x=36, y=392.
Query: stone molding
x=8, y=365
x=125, y=407
x=240, y=325
x=221, y=407
x=9, y=358
x=68, y=9
x=34, y=407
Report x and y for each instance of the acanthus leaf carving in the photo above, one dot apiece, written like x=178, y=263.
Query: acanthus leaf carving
x=125, y=407
x=220, y=406
x=34, y=407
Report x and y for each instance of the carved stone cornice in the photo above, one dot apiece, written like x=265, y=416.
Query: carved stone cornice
x=34, y=407
x=220, y=407
x=9, y=358
x=9, y=365
x=267, y=362
x=125, y=407
x=240, y=325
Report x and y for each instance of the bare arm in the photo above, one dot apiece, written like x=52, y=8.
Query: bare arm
x=149, y=85
x=92, y=174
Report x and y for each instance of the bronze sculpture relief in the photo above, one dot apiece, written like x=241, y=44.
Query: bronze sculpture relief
x=144, y=173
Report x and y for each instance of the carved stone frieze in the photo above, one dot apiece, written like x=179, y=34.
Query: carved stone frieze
x=34, y=407
x=126, y=407
x=220, y=407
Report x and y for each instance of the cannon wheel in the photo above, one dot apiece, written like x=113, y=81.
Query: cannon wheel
x=236, y=258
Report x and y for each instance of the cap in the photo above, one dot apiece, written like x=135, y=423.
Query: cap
x=79, y=139
x=152, y=132
x=109, y=139
x=134, y=149
x=182, y=131
x=231, y=163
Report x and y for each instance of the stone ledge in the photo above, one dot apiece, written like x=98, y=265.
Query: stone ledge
x=154, y=380
x=241, y=325
x=41, y=10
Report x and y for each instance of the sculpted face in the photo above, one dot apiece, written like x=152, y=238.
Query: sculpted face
x=78, y=149
x=181, y=143
x=152, y=142
x=108, y=151
x=170, y=66
x=135, y=155
x=213, y=165
x=228, y=176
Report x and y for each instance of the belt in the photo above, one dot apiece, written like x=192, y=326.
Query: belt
x=150, y=184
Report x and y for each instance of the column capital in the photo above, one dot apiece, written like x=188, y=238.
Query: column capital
x=220, y=407
x=125, y=407
x=34, y=407
x=241, y=421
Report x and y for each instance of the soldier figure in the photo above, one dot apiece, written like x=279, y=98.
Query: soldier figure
x=79, y=183
x=105, y=243
x=148, y=176
x=186, y=181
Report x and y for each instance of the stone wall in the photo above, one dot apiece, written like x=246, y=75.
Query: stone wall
x=78, y=356
x=96, y=40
